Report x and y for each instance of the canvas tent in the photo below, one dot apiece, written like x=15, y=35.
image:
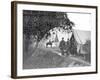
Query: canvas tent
x=81, y=37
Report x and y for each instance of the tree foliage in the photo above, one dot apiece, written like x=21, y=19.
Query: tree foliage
x=39, y=23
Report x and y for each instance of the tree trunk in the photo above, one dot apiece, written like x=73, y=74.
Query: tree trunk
x=34, y=49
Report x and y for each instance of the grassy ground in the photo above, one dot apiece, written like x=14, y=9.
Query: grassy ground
x=48, y=58
x=43, y=59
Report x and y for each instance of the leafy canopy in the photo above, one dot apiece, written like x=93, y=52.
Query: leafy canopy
x=39, y=23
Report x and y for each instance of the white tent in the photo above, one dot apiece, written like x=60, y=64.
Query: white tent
x=81, y=37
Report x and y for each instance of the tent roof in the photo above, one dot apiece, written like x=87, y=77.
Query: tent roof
x=82, y=36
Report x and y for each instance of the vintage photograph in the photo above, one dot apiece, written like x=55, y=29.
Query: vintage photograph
x=56, y=39
x=53, y=39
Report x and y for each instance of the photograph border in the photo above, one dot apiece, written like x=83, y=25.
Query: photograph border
x=14, y=37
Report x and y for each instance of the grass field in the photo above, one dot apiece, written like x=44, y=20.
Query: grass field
x=48, y=58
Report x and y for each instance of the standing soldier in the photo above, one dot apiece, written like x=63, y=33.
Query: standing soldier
x=68, y=47
x=62, y=46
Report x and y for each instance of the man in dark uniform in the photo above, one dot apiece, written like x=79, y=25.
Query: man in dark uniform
x=67, y=47
x=62, y=46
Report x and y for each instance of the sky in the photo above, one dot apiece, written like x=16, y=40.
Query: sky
x=82, y=20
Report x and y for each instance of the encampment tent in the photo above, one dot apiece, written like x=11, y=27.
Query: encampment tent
x=81, y=38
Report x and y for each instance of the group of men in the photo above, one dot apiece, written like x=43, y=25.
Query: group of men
x=64, y=47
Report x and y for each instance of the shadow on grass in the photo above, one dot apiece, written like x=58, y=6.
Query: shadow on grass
x=43, y=59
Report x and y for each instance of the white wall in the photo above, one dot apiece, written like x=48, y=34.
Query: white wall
x=5, y=41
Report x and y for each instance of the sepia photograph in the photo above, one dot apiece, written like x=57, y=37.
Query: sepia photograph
x=53, y=39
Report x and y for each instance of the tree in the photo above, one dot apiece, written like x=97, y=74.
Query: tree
x=39, y=23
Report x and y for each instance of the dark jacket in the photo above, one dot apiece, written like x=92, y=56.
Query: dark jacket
x=62, y=44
